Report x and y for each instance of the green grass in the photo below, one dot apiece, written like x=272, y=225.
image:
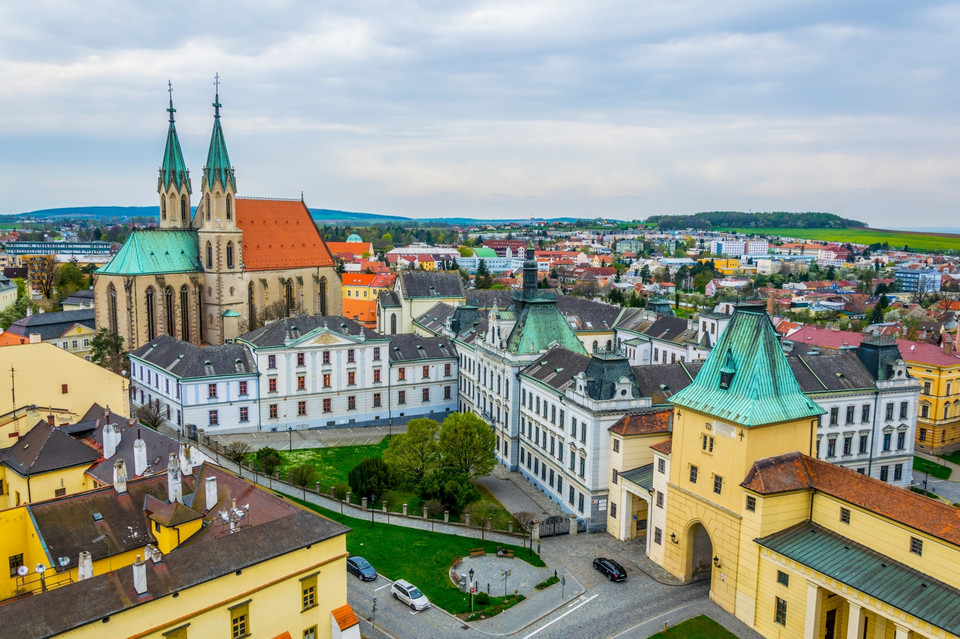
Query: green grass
x=896, y=239
x=701, y=627
x=332, y=464
x=952, y=457
x=421, y=557
x=546, y=583
x=936, y=470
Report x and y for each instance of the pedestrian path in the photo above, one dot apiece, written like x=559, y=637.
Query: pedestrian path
x=954, y=475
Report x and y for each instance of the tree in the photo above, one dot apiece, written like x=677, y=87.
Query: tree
x=371, y=476
x=69, y=280
x=42, y=273
x=237, y=451
x=645, y=274
x=661, y=274
x=483, y=279
x=415, y=454
x=452, y=489
x=106, y=349
x=301, y=475
x=876, y=316
x=268, y=459
x=467, y=445
x=150, y=414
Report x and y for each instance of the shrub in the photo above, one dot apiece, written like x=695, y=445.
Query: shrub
x=434, y=507
x=483, y=599
x=451, y=489
x=371, y=476
x=524, y=520
x=340, y=491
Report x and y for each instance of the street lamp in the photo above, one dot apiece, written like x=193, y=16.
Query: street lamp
x=372, y=498
x=290, y=436
x=471, y=590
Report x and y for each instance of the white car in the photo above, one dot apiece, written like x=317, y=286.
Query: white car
x=410, y=595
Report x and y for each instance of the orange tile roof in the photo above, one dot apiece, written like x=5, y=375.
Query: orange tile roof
x=353, y=248
x=796, y=471
x=646, y=423
x=357, y=279
x=9, y=339
x=279, y=234
x=284, y=635
x=363, y=311
x=664, y=447
x=345, y=617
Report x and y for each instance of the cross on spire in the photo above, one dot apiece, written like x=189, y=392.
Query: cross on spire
x=170, y=91
x=216, y=101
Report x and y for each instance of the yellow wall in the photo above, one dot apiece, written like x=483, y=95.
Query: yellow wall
x=169, y=538
x=18, y=536
x=41, y=370
x=78, y=333
x=942, y=434
x=634, y=452
x=43, y=486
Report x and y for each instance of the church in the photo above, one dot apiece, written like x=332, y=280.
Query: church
x=207, y=276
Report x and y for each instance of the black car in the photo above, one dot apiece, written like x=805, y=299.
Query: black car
x=361, y=568
x=610, y=568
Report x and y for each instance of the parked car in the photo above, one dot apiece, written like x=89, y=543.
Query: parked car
x=410, y=595
x=361, y=568
x=610, y=568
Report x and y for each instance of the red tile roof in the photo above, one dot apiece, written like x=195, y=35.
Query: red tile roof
x=345, y=617
x=357, y=279
x=796, y=471
x=351, y=248
x=279, y=234
x=363, y=311
x=912, y=352
x=646, y=423
x=664, y=447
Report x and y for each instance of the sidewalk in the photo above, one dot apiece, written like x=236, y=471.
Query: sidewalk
x=955, y=469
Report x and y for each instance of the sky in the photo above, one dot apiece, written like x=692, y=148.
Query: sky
x=602, y=108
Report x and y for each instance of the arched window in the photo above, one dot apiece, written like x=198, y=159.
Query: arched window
x=151, y=314
x=184, y=313
x=229, y=254
x=946, y=411
x=393, y=323
x=207, y=206
x=209, y=255
x=112, y=308
x=200, y=312
x=163, y=208
x=288, y=296
x=594, y=346
x=322, y=294
x=251, y=308
x=168, y=307
x=229, y=207
x=184, y=208
x=609, y=345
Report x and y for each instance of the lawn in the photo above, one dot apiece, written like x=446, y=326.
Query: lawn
x=419, y=556
x=896, y=239
x=701, y=627
x=936, y=470
x=332, y=464
x=952, y=457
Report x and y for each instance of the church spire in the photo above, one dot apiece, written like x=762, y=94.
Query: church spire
x=173, y=184
x=218, y=160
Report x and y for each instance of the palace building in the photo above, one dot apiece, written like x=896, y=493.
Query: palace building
x=209, y=275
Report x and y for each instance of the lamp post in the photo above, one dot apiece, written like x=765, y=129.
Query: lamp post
x=290, y=437
x=471, y=590
x=372, y=498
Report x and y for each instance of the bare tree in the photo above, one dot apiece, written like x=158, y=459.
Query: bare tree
x=236, y=451
x=151, y=414
x=301, y=476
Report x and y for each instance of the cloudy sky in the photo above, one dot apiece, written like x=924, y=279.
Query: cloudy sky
x=617, y=108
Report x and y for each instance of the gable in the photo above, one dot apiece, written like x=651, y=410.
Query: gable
x=279, y=234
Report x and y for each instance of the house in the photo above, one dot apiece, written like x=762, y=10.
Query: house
x=414, y=292
x=73, y=331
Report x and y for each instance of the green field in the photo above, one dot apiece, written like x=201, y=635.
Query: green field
x=896, y=239
x=936, y=470
x=332, y=464
x=701, y=627
x=419, y=556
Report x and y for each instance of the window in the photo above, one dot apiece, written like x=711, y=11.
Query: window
x=401, y=397
x=301, y=359
x=717, y=484
x=901, y=440
x=850, y=411
x=923, y=434
x=693, y=474
x=351, y=378
x=613, y=508
x=271, y=361
x=426, y=372
x=240, y=620
x=751, y=503
x=325, y=358
x=889, y=410
x=376, y=353
x=781, y=616
x=426, y=394
x=616, y=445
x=74, y=344
x=657, y=536
x=63, y=389
x=308, y=591
x=376, y=400
x=845, y=515
x=273, y=411
x=327, y=405
x=904, y=407
x=569, y=495
x=865, y=413
x=244, y=414
x=848, y=445
x=446, y=392
x=924, y=410
x=214, y=418
x=884, y=473
x=15, y=562
x=834, y=416
x=177, y=633
x=864, y=439
x=832, y=447
x=351, y=402
x=916, y=546
x=351, y=356
x=301, y=408
x=927, y=387
x=583, y=466
x=243, y=388
x=446, y=370
x=583, y=432
x=707, y=443
x=376, y=376
x=783, y=578
x=886, y=441
x=272, y=385
x=659, y=499
x=616, y=475
x=580, y=502
x=897, y=472
x=326, y=380
x=401, y=374
x=661, y=466
x=310, y=633
x=301, y=382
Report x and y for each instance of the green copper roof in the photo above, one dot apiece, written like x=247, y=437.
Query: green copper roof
x=642, y=476
x=230, y=313
x=485, y=252
x=871, y=573
x=218, y=160
x=173, y=169
x=150, y=252
x=747, y=379
x=541, y=324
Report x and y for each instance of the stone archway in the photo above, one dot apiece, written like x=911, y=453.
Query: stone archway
x=699, y=551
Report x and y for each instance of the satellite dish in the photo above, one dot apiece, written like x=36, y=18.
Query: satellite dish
x=22, y=571
x=40, y=569
x=63, y=561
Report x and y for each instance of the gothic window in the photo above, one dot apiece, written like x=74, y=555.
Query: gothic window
x=206, y=205
x=229, y=207
x=200, y=311
x=209, y=255
x=229, y=253
x=168, y=307
x=184, y=313
x=151, y=314
x=184, y=208
x=251, y=308
x=288, y=296
x=393, y=323
x=163, y=208
x=112, y=308
x=322, y=294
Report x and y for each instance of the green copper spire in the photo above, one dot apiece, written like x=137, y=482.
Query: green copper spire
x=173, y=170
x=218, y=160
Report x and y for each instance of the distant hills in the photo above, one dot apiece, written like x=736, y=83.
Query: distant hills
x=759, y=220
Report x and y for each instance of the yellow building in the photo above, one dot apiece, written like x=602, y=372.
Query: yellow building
x=54, y=381
x=794, y=546
x=239, y=561
x=726, y=266
x=937, y=368
x=72, y=331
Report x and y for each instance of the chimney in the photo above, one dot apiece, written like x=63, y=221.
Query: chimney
x=947, y=345
x=140, y=576
x=35, y=338
x=85, y=568
x=139, y=456
x=111, y=439
x=174, y=489
x=51, y=421
x=186, y=467
x=120, y=476
x=29, y=312
x=153, y=553
x=211, y=493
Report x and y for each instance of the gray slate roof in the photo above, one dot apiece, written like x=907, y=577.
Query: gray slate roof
x=52, y=325
x=46, y=448
x=159, y=447
x=83, y=296
x=587, y=315
x=661, y=381
x=434, y=319
x=276, y=333
x=557, y=368
x=389, y=299
x=830, y=372
x=430, y=284
x=185, y=360
x=406, y=347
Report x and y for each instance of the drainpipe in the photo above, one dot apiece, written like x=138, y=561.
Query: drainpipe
x=873, y=430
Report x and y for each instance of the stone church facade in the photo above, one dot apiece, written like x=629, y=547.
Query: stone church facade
x=207, y=276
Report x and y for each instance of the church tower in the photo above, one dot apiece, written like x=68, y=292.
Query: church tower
x=220, y=240
x=173, y=185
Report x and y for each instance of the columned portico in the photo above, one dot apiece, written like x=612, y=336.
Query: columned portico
x=811, y=626
x=848, y=619
x=635, y=518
